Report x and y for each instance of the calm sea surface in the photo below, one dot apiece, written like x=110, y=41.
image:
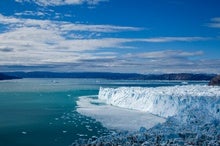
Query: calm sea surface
x=38, y=112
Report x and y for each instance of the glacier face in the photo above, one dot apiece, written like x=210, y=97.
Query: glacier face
x=165, y=101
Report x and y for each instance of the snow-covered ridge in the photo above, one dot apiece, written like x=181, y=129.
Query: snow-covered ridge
x=165, y=101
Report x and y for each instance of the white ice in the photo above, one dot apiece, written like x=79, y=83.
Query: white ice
x=164, y=101
x=116, y=118
x=129, y=108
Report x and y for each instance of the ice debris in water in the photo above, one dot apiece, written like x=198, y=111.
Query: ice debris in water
x=193, y=116
x=24, y=132
x=194, y=131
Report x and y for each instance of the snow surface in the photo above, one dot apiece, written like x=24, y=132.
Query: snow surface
x=116, y=118
x=164, y=101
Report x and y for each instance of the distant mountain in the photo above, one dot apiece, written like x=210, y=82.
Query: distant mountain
x=7, y=77
x=75, y=75
x=180, y=76
x=106, y=75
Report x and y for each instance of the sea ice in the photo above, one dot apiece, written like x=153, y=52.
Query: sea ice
x=114, y=117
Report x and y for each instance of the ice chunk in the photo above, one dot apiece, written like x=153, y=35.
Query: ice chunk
x=24, y=132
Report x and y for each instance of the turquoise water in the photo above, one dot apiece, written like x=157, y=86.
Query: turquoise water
x=43, y=111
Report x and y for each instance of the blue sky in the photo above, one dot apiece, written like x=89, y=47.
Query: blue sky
x=135, y=36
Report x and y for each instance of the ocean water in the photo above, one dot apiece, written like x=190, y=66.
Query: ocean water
x=44, y=111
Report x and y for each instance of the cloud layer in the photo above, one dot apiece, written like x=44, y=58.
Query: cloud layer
x=32, y=44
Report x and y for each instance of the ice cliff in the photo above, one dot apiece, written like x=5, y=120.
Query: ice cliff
x=165, y=101
x=192, y=115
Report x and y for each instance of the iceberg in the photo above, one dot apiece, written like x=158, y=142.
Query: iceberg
x=164, y=101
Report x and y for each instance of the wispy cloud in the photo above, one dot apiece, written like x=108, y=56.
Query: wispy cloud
x=30, y=13
x=62, y=26
x=173, y=39
x=62, y=2
x=215, y=22
x=168, y=54
x=167, y=61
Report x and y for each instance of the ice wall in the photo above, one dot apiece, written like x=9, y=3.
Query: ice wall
x=165, y=101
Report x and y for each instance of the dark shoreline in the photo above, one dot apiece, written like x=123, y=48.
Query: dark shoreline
x=113, y=76
x=7, y=77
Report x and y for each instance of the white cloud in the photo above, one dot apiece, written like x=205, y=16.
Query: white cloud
x=216, y=19
x=32, y=45
x=62, y=26
x=215, y=22
x=31, y=13
x=168, y=54
x=172, y=39
x=62, y=2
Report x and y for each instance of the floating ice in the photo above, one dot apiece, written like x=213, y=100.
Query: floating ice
x=164, y=101
x=114, y=117
x=24, y=132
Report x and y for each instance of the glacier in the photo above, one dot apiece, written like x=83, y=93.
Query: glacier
x=191, y=112
x=164, y=101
